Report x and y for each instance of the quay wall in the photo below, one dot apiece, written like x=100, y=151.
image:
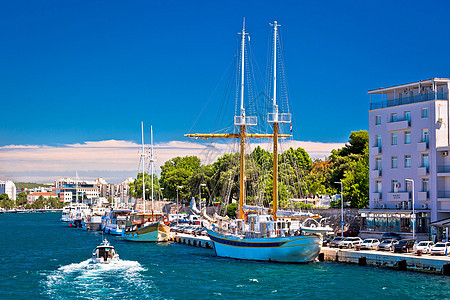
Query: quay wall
x=196, y=241
x=402, y=262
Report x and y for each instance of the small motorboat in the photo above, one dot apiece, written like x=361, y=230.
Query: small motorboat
x=104, y=254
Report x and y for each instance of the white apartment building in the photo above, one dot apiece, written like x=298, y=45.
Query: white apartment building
x=9, y=188
x=409, y=145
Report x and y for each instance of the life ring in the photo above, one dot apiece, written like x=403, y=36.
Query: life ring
x=313, y=225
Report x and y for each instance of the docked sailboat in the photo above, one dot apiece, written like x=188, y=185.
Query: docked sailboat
x=264, y=236
x=152, y=226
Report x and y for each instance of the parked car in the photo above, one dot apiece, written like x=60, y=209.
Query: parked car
x=424, y=246
x=335, y=242
x=387, y=244
x=441, y=248
x=351, y=232
x=327, y=239
x=370, y=244
x=391, y=235
x=405, y=245
x=350, y=242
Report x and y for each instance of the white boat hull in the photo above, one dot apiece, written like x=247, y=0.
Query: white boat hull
x=154, y=232
x=293, y=249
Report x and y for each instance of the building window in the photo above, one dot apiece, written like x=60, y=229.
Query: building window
x=425, y=184
x=377, y=120
x=425, y=112
x=378, y=163
x=408, y=185
x=407, y=137
x=394, y=186
x=425, y=160
x=394, y=139
x=394, y=117
x=394, y=162
x=408, y=116
x=378, y=186
x=378, y=141
x=425, y=135
x=407, y=161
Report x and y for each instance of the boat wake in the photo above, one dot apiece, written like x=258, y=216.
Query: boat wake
x=84, y=280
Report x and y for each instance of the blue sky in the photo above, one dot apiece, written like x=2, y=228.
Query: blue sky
x=78, y=71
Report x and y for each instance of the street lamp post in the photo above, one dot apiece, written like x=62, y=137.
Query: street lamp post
x=178, y=209
x=342, y=210
x=413, y=211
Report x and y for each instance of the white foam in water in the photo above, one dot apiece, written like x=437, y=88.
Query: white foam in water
x=97, y=279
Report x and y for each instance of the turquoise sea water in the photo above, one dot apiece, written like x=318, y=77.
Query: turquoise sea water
x=45, y=259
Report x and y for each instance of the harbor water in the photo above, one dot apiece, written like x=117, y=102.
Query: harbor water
x=45, y=259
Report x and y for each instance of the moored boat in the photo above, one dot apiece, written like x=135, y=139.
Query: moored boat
x=264, y=236
x=145, y=226
x=115, y=221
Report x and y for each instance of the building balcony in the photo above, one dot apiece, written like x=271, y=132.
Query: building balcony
x=422, y=171
x=409, y=100
x=423, y=196
x=375, y=150
x=375, y=196
x=443, y=170
x=400, y=196
x=443, y=195
x=422, y=146
x=375, y=173
x=398, y=125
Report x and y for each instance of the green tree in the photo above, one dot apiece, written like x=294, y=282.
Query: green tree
x=176, y=172
x=39, y=203
x=6, y=202
x=136, y=186
x=21, y=199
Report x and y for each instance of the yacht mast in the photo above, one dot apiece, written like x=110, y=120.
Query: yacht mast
x=143, y=165
x=275, y=125
x=242, y=127
x=151, y=159
x=276, y=118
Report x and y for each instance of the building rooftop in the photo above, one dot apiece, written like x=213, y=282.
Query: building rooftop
x=427, y=82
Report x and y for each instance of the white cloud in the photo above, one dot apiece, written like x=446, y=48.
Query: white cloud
x=116, y=160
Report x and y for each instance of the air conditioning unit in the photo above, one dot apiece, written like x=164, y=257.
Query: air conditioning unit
x=398, y=205
x=424, y=206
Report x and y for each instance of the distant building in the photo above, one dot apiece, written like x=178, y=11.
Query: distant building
x=9, y=188
x=409, y=145
x=70, y=189
x=34, y=196
x=91, y=190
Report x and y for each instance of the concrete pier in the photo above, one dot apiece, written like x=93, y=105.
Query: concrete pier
x=399, y=261
x=196, y=241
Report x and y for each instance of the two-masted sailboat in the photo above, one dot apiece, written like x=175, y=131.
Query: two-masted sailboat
x=147, y=226
x=264, y=236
